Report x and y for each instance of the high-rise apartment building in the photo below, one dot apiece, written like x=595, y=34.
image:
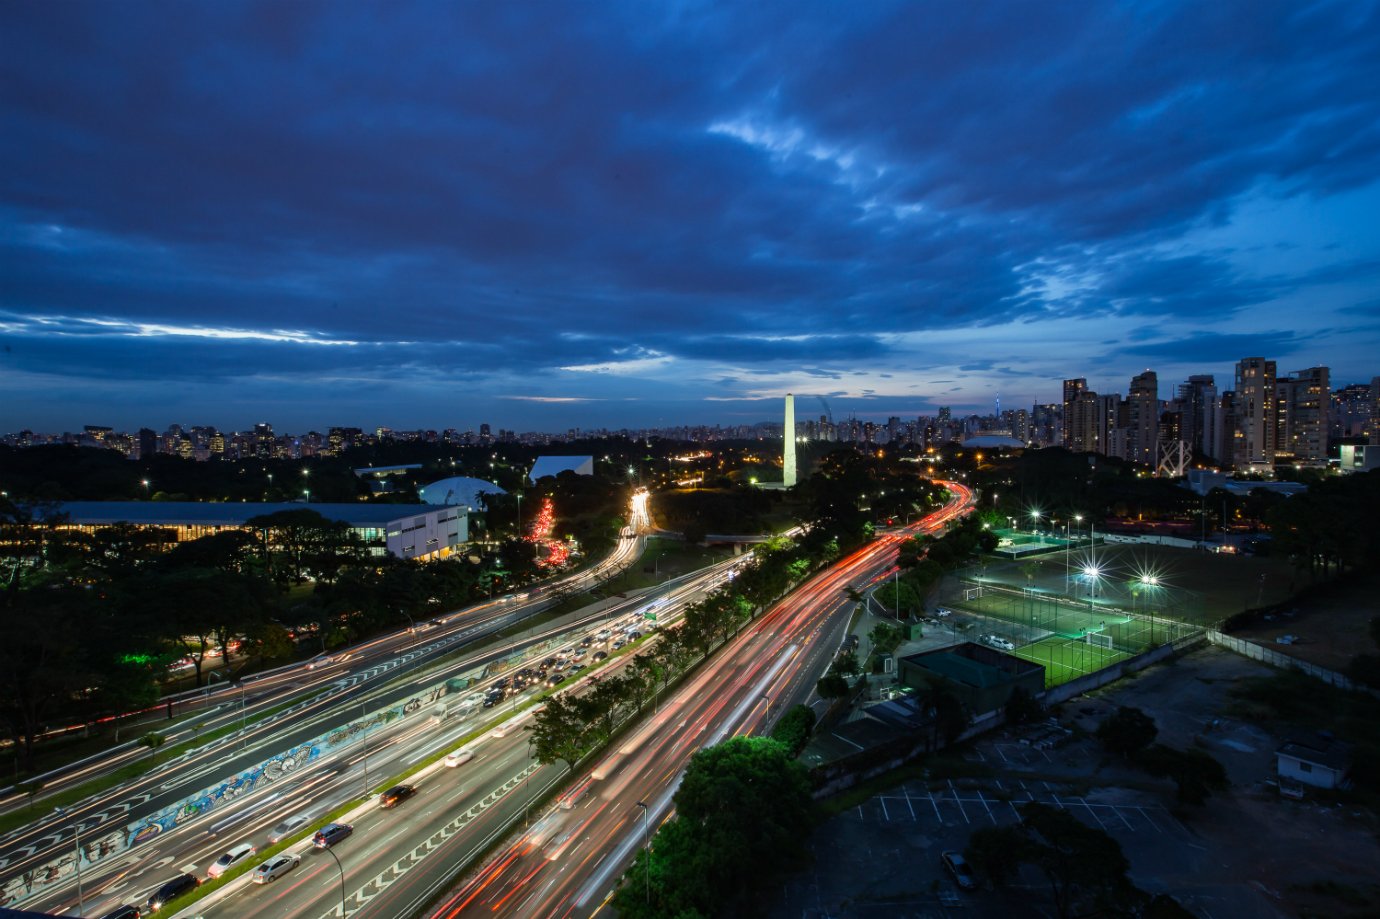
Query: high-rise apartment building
x=1198, y=414
x=1143, y=418
x=1302, y=404
x=1375, y=410
x=1253, y=435
x=1080, y=417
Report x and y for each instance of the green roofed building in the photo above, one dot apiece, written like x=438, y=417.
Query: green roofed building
x=982, y=678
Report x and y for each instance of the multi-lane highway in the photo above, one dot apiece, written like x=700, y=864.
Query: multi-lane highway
x=567, y=863
x=271, y=713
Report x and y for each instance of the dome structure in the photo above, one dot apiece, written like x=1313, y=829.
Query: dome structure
x=458, y=490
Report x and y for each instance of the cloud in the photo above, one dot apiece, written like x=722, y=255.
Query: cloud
x=663, y=200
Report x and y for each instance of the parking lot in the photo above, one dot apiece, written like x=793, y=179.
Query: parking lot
x=882, y=857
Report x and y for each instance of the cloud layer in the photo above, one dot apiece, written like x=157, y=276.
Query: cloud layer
x=352, y=213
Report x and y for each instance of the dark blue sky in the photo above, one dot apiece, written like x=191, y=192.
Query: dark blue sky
x=545, y=215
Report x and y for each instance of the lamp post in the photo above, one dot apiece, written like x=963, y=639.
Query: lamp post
x=1035, y=523
x=76, y=829
x=146, y=489
x=306, y=493
x=365, y=728
x=1079, y=519
x=519, y=504
x=646, y=848
x=341, y=868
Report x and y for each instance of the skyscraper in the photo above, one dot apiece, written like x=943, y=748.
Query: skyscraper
x=1080, y=417
x=1304, y=399
x=1143, y=418
x=1253, y=438
x=1198, y=417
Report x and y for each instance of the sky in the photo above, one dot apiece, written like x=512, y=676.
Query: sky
x=554, y=215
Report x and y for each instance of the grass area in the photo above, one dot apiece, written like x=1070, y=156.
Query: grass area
x=1066, y=659
x=664, y=559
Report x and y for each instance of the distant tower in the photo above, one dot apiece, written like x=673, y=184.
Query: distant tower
x=788, y=444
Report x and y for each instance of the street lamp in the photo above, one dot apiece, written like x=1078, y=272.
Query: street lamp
x=1035, y=522
x=146, y=488
x=341, y=868
x=76, y=829
x=519, y=504
x=306, y=492
x=646, y=848
x=365, y=734
x=1092, y=572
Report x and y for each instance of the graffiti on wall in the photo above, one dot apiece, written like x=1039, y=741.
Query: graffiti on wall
x=21, y=887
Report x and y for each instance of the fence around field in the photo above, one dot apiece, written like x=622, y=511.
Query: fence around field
x=1275, y=659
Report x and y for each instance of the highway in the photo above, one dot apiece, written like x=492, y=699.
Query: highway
x=568, y=863
x=280, y=709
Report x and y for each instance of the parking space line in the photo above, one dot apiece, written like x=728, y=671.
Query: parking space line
x=1019, y=818
x=886, y=815
x=906, y=792
x=1094, y=813
x=954, y=792
x=985, y=807
x=935, y=805
x=1057, y=803
x=1148, y=820
x=1002, y=755
x=860, y=813
x=1045, y=754
x=1116, y=810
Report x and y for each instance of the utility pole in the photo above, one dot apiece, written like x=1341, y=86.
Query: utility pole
x=646, y=849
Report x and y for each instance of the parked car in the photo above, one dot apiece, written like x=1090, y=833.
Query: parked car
x=396, y=795
x=276, y=867
x=330, y=834
x=1005, y=644
x=943, y=611
x=230, y=859
x=958, y=867
x=459, y=757
x=171, y=890
x=284, y=829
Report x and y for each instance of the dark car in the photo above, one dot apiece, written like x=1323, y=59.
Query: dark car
x=330, y=834
x=548, y=663
x=124, y=912
x=958, y=867
x=600, y=655
x=555, y=679
x=396, y=795
x=183, y=883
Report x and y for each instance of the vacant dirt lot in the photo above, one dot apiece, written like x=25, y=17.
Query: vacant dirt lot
x=1332, y=627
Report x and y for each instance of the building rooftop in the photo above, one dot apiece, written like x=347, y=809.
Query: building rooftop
x=1314, y=748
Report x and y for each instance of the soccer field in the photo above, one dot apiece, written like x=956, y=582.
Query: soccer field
x=1066, y=659
x=1032, y=616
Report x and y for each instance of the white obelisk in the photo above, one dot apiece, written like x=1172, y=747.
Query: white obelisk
x=788, y=451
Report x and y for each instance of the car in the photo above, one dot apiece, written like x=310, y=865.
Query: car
x=123, y=912
x=320, y=660
x=230, y=859
x=171, y=890
x=555, y=679
x=618, y=644
x=396, y=795
x=997, y=641
x=330, y=834
x=276, y=867
x=634, y=635
x=585, y=643
x=284, y=829
x=603, y=635
x=600, y=655
x=577, y=668
x=958, y=867
x=459, y=757
x=548, y=663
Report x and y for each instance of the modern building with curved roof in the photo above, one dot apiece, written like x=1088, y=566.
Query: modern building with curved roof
x=458, y=490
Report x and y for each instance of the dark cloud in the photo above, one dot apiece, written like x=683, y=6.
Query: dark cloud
x=1208, y=347
x=492, y=192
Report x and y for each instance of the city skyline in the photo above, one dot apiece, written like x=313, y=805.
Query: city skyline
x=424, y=217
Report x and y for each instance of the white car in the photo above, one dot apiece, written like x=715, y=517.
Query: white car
x=276, y=867
x=230, y=859
x=1004, y=644
x=459, y=758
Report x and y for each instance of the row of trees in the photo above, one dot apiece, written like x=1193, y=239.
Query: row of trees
x=570, y=725
x=1331, y=527
x=94, y=623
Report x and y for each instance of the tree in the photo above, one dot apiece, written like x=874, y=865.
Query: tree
x=1195, y=773
x=832, y=686
x=560, y=732
x=1084, y=867
x=947, y=717
x=153, y=740
x=886, y=637
x=995, y=852
x=1127, y=731
x=793, y=729
x=743, y=815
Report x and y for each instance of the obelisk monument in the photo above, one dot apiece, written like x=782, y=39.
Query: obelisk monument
x=788, y=446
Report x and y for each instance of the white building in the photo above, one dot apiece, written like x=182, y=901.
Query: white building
x=1314, y=761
